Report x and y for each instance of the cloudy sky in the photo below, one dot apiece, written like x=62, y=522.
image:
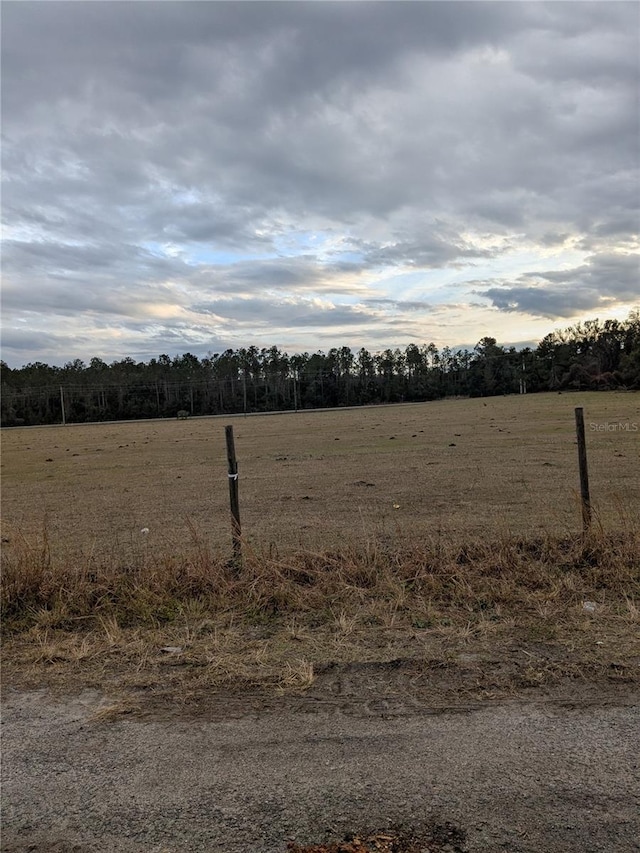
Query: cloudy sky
x=193, y=176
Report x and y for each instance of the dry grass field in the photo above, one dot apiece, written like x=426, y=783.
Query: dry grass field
x=436, y=545
x=458, y=469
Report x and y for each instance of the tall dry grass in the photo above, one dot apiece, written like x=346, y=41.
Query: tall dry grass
x=358, y=582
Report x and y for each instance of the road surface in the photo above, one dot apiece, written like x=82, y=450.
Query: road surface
x=512, y=777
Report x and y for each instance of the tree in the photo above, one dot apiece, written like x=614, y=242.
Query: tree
x=593, y=354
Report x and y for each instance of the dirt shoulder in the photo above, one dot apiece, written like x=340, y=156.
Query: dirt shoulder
x=210, y=670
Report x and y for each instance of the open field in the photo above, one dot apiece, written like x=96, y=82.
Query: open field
x=457, y=469
x=416, y=554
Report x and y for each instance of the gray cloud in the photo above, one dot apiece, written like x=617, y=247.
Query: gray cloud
x=401, y=305
x=604, y=281
x=303, y=273
x=177, y=153
x=286, y=313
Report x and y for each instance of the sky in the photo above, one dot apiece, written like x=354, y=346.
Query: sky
x=197, y=176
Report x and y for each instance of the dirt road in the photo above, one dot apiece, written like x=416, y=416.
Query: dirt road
x=246, y=778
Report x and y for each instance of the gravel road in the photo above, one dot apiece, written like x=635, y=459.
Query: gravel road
x=513, y=777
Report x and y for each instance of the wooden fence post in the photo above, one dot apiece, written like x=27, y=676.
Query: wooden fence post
x=584, y=470
x=232, y=462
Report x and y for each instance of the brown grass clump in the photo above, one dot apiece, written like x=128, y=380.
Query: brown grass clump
x=448, y=622
x=376, y=581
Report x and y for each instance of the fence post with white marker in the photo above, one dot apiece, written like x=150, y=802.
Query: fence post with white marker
x=234, y=501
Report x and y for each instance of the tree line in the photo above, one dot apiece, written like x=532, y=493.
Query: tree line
x=592, y=355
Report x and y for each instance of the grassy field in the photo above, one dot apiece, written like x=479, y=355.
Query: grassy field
x=457, y=469
x=442, y=540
